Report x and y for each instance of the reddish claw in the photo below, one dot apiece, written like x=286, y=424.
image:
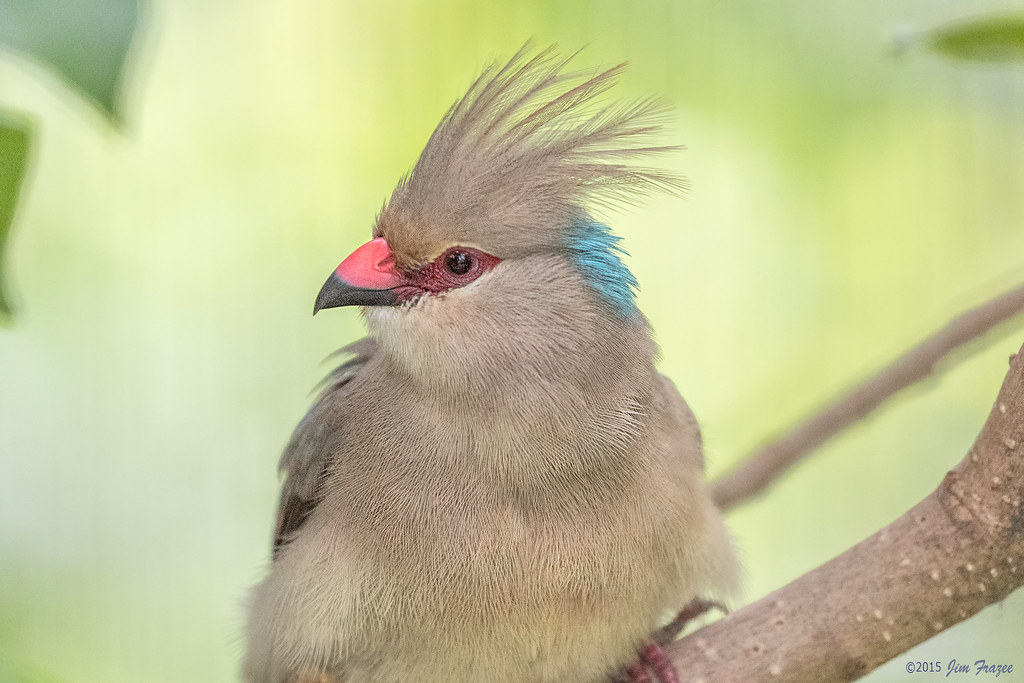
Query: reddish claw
x=652, y=658
x=655, y=657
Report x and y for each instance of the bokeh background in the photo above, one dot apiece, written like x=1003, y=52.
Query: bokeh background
x=845, y=202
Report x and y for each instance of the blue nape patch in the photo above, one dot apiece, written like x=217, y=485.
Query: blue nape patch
x=596, y=253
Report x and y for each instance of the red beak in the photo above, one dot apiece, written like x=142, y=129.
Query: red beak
x=368, y=277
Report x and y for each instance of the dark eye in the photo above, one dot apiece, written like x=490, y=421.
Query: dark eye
x=459, y=262
x=454, y=267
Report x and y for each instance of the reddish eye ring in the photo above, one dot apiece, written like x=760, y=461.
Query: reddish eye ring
x=456, y=267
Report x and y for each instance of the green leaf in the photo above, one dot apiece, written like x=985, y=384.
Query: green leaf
x=15, y=133
x=988, y=39
x=84, y=41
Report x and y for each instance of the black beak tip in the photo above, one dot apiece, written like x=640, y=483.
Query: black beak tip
x=336, y=292
x=331, y=294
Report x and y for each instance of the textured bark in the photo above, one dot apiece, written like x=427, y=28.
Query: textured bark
x=957, y=551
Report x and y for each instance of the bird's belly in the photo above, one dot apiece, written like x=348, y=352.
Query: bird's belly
x=497, y=595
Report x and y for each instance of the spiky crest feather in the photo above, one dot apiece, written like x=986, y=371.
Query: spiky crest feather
x=519, y=158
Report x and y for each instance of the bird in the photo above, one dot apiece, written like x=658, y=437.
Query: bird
x=497, y=485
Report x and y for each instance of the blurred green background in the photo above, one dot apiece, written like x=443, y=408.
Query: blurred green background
x=844, y=203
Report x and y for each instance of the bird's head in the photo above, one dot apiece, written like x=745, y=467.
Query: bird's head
x=487, y=251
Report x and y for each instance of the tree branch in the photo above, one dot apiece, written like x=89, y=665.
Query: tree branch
x=957, y=551
x=762, y=467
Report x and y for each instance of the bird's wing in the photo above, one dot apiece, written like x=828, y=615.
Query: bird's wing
x=683, y=422
x=307, y=455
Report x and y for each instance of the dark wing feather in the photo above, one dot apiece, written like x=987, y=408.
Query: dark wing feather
x=307, y=456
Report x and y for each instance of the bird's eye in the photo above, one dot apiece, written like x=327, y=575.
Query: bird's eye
x=453, y=268
x=459, y=262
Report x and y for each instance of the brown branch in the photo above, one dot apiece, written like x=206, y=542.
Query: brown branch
x=762, y=467
x=957, y=551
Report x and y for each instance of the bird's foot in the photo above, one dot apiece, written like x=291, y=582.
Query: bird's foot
x=653, y=664
x=652, y=661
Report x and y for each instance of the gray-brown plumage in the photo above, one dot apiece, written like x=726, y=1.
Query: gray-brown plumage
x=498, y=486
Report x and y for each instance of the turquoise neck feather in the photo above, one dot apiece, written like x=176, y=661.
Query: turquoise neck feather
x=597, y=256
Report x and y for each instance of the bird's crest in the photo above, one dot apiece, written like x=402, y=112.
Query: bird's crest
x=516, y=164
